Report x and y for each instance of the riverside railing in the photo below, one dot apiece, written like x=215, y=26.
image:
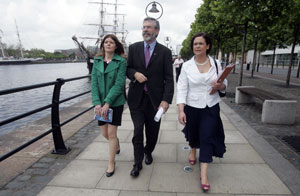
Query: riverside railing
x=59, y=145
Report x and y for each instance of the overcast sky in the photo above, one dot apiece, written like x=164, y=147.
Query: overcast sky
x=50, y=24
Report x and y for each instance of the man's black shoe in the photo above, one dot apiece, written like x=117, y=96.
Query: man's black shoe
x=148, y=159
x=135, y=172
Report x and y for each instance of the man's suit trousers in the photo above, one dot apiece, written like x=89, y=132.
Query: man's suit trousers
x=144, y=115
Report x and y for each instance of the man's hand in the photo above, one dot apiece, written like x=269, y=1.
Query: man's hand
x=140, y=77
x=164, y=105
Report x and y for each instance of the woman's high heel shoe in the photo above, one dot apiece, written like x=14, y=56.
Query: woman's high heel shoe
x=109, y=174
x=205, y=187
x=119, y=150
x=192, y=162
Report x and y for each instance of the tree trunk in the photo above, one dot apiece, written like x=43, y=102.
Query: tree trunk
x=227, y=59
x=292, y=53
x=298, y=71
x=273, y=59
x=254, y=58
x=222, y=57
x=258, y=61
x=235, y=54
x=243, y=51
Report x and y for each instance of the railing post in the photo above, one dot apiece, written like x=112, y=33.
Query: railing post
x=59, y=145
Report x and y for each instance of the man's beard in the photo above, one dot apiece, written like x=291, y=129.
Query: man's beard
x=148, y=36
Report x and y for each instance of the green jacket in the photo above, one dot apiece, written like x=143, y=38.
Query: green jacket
x=109, y=86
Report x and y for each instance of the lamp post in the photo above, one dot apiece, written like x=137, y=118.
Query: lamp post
x=298, y=71
x=167, y=41
x=154, y=10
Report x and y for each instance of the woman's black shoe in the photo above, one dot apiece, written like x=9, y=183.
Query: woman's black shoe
x=109, y=174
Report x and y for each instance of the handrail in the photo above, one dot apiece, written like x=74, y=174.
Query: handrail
x=24, y=88
x=59, y=146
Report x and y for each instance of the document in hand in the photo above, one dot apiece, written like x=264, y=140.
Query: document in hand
x=224, y=74
x=109, y=116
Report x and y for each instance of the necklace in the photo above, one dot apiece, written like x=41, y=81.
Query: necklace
x=201, y=64
x=107, y=61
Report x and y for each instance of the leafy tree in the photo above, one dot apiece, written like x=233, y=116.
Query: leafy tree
x=250, y=14
x=12, y=50
x=292, y=14
x=72, y=56
x=263, y=24
x=203, y=23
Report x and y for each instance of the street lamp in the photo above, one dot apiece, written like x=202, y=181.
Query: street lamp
x=154, y=10
x=167, y=40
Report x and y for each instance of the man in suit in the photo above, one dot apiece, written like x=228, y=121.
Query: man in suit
x=149, y=67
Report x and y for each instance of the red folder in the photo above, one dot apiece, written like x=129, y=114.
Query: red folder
x=224, y=74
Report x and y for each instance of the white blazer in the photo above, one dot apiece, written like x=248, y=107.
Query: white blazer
x=193, y=87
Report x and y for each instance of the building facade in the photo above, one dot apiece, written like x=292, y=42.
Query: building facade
x=282, y=56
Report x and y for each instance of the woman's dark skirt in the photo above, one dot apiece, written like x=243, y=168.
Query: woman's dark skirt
x=204, y=130
x=116, y=118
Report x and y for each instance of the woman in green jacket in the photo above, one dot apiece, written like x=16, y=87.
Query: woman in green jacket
x=108, y=91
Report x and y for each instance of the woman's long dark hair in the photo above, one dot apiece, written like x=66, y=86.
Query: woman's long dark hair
x=119, y=47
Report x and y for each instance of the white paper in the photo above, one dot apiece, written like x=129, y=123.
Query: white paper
x=159, y=114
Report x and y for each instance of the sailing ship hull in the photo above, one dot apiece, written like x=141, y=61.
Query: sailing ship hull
x=90, y=63
x=18, y=61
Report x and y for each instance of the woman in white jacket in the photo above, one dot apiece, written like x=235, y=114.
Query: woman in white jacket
x=198, y=108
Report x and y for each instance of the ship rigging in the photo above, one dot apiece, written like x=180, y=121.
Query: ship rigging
x=108, y=24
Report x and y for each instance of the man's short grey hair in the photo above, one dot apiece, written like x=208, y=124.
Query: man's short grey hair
x=154, y=20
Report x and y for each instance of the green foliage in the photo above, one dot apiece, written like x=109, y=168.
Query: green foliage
x=292, y=19
x=72, y=56
x=270, y=22
x=11, y=50
x=33, y=53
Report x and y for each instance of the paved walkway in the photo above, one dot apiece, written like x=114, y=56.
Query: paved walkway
x=243, y=171
x=251, y=166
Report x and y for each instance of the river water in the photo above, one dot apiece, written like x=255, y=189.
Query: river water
x=13, y=76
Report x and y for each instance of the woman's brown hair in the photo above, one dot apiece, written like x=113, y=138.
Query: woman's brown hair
x=119, y=47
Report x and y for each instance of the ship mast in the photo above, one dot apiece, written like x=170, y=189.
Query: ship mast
x=102, y=31
x=1, y=45
x=115, y=18
x=20, y=43
x=123, y=32
x=101, y=25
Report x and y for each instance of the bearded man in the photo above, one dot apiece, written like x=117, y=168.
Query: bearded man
x=149, y=68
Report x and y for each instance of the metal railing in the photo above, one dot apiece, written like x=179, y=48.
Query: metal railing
x=59, y=146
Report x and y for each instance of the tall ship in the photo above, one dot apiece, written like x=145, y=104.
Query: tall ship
x=110, y=22
x=9, y=60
